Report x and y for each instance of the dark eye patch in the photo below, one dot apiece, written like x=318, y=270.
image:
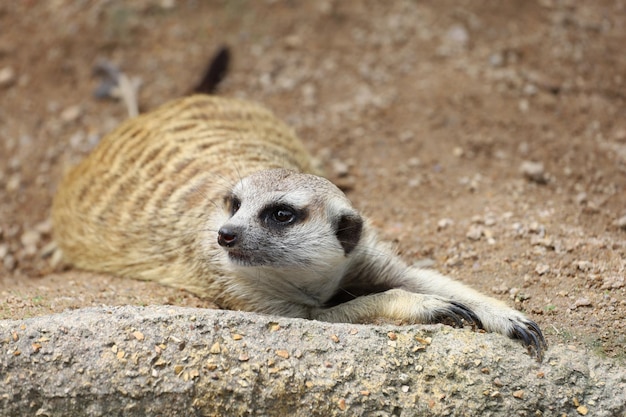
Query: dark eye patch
x=282, y=215
x=233, y=204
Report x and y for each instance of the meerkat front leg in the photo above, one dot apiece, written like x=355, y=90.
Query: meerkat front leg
x=429, y=297
x=398, y=304
x=380, y=284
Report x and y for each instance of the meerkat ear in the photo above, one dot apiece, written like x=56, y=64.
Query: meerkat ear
x=348, y=231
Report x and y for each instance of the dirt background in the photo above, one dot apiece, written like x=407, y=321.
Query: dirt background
x=428, y=112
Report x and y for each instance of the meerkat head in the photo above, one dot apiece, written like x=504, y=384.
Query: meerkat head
x=284, y=223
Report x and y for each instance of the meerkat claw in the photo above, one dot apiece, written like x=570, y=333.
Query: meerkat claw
x=458, y=313
x=531, y=336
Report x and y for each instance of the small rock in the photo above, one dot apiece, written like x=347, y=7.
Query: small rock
x=458, y=35
x=7, y=77
x=71, y=114
x=340, y=168
x=474, y=233
x=519, y=394
x=14, y=182
x=496, y=59
x=293, y=41
x=523, y=105
x=621, y=222
x=583, y=265
x=530, y=89
x=30, y=238
x=534, y=171
x=9, y=262
x=444, y=223
x=282, y=353
x=414, y=162
x=612, y=283
x=342, y=404
x=581, y=302
x=500, y=289
x=44, y=227
x=582, y=410
x=408, y=136
x=168, y=4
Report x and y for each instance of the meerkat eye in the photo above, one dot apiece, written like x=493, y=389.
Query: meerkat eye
x=281, y=216
x=284, y=216
x=234, y=204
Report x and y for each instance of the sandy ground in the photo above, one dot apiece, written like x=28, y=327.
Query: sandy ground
x=487, y=138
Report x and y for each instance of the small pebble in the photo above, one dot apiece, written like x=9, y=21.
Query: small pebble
x=501, y=289
x=342, y=404
x=30, y=238
x=542, y=269
x=581, y=198
x=612, y=283
x=621, y=222
x=7, y=77
x=458, y=35
x=282, y=353
x=9, y=262
x=474, y=233
x=583, y=265
x=581, y=302
x=444, y=223
x=14, y=182
x=534, y=171
x=71, y=114
x=340, y=168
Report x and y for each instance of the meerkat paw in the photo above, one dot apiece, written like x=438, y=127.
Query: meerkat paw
x=501, y=319
x=515, y=325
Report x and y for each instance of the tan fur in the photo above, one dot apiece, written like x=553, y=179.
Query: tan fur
x=135, y=207
x=151, y=200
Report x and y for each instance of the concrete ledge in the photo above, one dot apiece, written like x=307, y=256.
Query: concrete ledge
x=172, y=361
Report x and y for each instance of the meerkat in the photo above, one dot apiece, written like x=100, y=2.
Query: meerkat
x=218, y=197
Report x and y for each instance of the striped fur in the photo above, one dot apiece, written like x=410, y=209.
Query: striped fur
x=135, y=204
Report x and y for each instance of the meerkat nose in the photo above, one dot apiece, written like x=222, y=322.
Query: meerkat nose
x=227, y=237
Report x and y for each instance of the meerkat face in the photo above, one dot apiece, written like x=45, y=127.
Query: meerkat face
x=280, y=219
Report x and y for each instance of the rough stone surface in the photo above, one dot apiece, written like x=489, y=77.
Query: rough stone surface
x=137, y=361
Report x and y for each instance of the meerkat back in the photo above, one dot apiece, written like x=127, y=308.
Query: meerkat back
x=139, y=205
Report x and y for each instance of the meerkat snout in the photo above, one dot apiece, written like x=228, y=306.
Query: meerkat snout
x=227, y=237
